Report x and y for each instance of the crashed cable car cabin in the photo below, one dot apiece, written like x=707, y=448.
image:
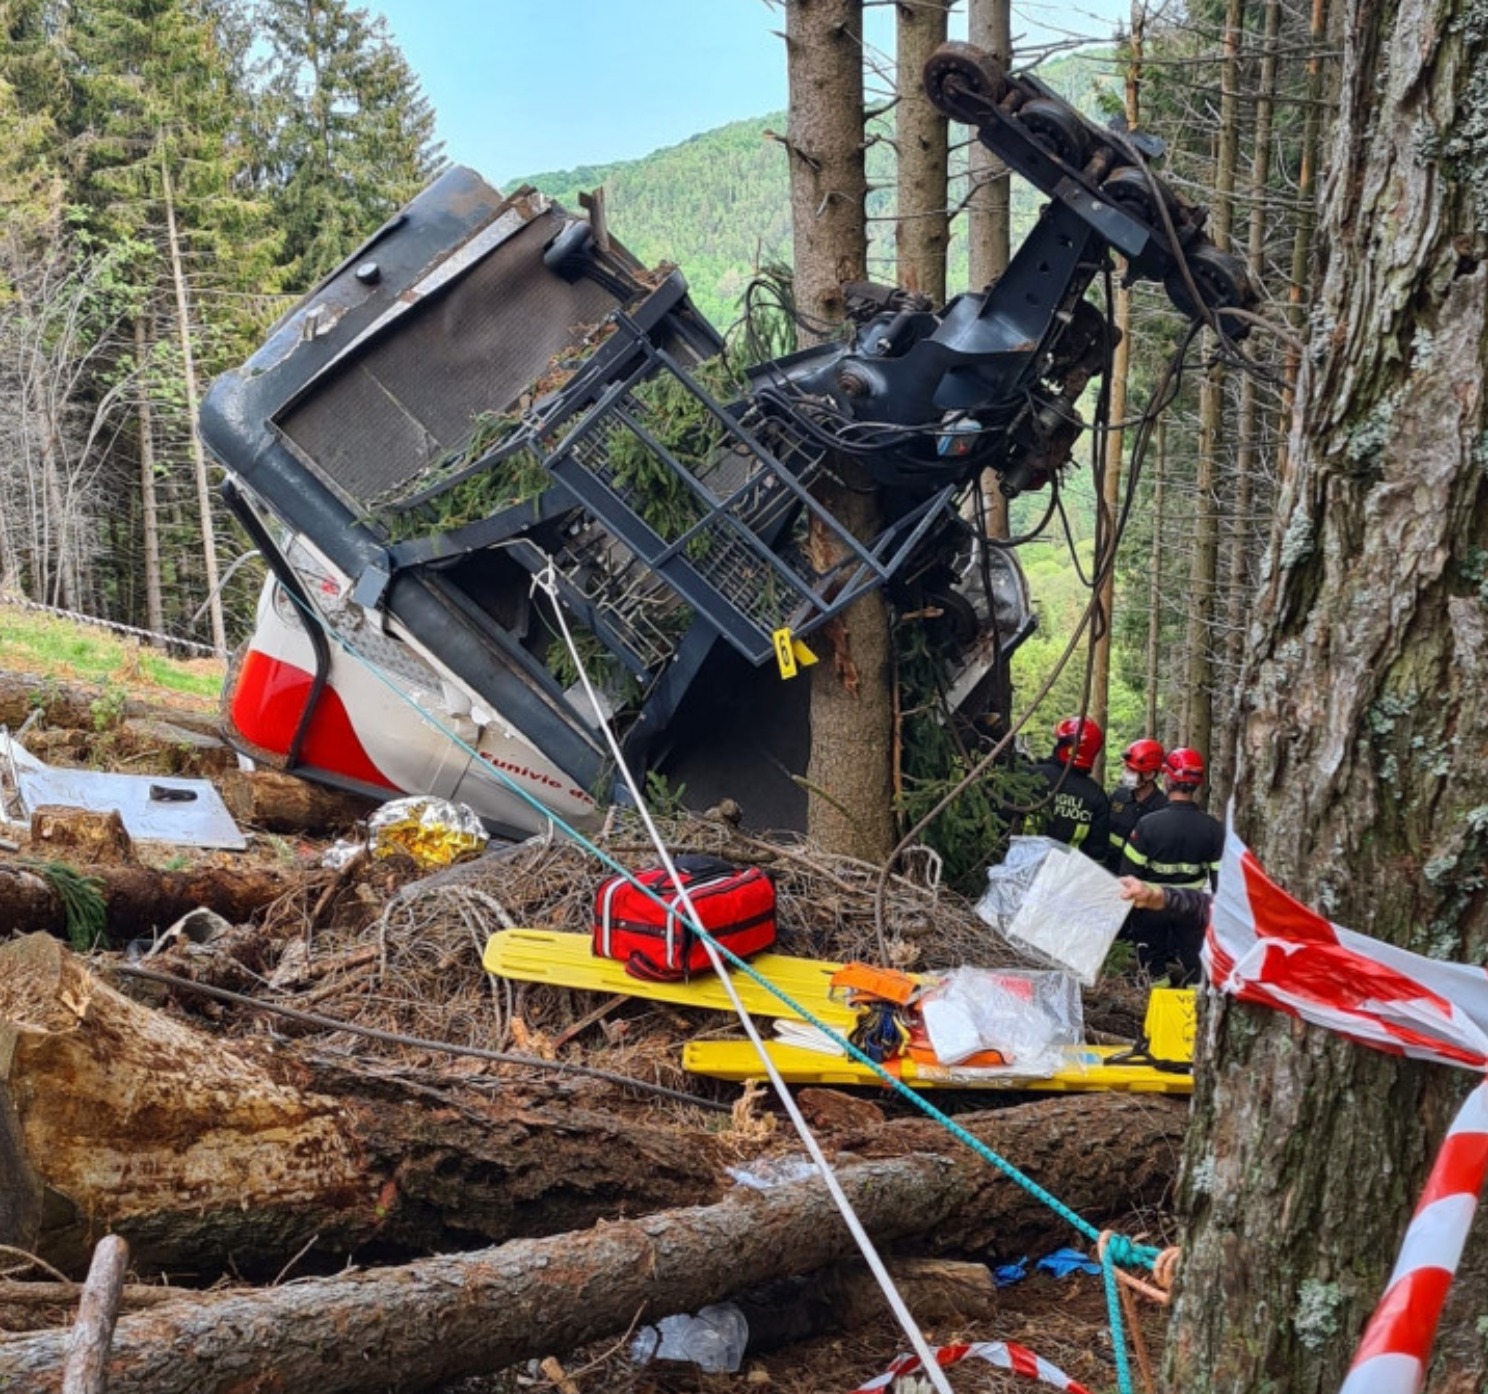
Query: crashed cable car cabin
x=491, y=411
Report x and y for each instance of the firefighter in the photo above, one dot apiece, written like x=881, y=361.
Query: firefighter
x=1078, y=812
x=1135, y=796
x=1180, y=845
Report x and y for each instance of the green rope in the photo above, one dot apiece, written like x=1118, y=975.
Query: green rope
x=1131, y=1253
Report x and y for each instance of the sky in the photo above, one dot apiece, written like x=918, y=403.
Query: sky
x=525, y=87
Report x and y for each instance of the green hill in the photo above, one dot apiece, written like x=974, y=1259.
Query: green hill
x=718, y=205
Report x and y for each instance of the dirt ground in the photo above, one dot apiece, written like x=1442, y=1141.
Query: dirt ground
x=310, y=946
x=1063, y=1320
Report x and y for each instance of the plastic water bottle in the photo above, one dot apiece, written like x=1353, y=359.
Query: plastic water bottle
x=713, y=1340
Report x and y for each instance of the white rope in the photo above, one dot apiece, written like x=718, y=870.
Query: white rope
x=547, y=581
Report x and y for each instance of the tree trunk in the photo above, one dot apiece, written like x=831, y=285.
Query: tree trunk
x=204, y=1153
x=1243, y=536
x=1299, y=291
x=282, y=803
x=139, y=899
x=850, y=772
x=1202, y=593
x=828, y=181
x=989, y=204
x=149, y=519
x=1153, y=669
x=922, y=230
x=1360, y=782
x=198, y=455
x=444, y=1318
x=1100, y=682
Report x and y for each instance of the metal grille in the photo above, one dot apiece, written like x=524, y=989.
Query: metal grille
x=644, y=612
x=711, y=504
x=378, y=422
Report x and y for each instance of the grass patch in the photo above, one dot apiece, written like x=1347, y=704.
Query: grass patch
x=67, y=651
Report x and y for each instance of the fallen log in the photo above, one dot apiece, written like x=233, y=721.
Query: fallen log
x=85, y=1370
x=281, y=803
x=88, y=706
x=847, y=1296
x=441, y=1319
x=205, y=1154
x=69, y=834
x=140, y=900
x=117, y=1117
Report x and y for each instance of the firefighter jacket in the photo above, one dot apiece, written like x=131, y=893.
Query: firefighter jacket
x=1126, y=812
x=1079, y=813
x=1179, y=845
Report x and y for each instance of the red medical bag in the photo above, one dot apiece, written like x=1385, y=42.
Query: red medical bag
x=736, y=906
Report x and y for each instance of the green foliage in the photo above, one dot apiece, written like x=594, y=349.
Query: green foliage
x=972, y=832
x=663, y=798
x=345, y=134
x=108, y=708
x=82, y=900
x=718, y=204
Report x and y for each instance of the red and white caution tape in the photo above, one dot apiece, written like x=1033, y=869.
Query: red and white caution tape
x=1262, y=946
x=1004, y=1354
x=1392, y=1357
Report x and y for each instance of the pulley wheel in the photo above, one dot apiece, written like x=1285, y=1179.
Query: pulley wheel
x=1129, y=189
x=1055, y=129
x=962, y=81
x=1223, y=281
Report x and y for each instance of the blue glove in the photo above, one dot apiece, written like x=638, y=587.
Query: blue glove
x=1011, y=1273
x=1062, y=1262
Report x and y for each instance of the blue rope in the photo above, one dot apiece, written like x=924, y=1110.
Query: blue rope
x=1119, y=1249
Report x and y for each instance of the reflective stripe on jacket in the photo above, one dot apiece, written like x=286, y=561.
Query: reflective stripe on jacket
x=1179, y=845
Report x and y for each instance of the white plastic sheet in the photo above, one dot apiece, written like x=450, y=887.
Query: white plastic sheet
x=1028, y=1016
x=1055, y=905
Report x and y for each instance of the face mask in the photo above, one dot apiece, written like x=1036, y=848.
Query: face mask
x=1130, y=779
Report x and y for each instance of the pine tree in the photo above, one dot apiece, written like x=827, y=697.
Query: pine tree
x=348, y=136
x=159, y=168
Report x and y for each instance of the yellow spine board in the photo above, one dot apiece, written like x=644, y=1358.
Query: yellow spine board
x=736, y=1060
x=567, y=960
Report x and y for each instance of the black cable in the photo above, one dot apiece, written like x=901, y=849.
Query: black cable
x=1163, y=394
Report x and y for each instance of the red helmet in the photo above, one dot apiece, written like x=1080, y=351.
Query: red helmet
x=1184, y=768
x=1145, y=757
x=1080, y=735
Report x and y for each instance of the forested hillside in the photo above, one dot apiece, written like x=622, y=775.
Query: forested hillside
x=718, y=204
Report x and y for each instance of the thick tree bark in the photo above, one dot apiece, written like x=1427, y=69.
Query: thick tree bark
x=922, y=232
x=443, y=1318
x=850, y=775
x=1361, y=783
x=283, y=804
x=139, y=899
